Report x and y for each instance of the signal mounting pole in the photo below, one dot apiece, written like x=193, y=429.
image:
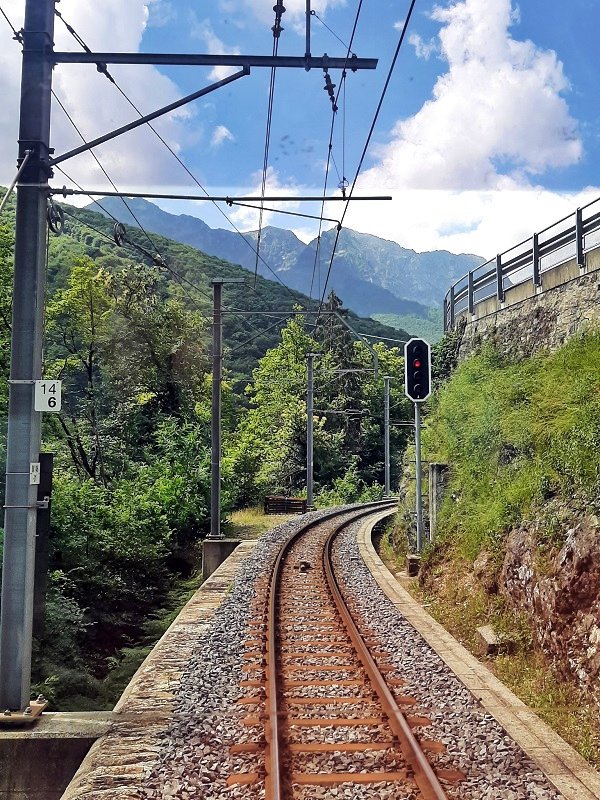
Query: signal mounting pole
x=417, y=387
x=309, y=429
x=24, y=423
x=386, y=434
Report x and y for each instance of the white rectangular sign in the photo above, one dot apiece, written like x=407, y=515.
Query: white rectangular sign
x=47, y=396
x=34, y=473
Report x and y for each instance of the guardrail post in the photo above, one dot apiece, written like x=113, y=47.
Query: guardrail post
x=471, y=300
x=451, y=307
x=499, y=279
x=537, y=278
x=579, y=238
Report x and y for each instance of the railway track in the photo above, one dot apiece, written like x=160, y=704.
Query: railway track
x=329, y=703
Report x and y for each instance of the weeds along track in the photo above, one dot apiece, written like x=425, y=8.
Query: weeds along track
x=327, y=707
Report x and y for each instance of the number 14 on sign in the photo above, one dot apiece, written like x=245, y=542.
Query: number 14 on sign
x=47, y=396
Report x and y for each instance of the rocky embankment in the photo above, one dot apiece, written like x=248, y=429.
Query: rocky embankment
x=558, y=588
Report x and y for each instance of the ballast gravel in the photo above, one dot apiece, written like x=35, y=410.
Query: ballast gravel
x=494, y=765
x=194, y=759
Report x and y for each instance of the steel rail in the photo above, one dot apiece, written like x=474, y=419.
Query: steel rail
x=273, y=776
x=425, y=776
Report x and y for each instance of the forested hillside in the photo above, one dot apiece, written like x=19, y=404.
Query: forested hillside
x=128, y=333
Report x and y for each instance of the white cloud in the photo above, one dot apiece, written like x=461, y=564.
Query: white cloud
x=422, y=49
x=496, y=117
x=465, y=170
x=295, y=11
x=160, y=13
x=204, y=31
x=247, y=218
x=134, y=159
x=221, y=134
x=483, y=223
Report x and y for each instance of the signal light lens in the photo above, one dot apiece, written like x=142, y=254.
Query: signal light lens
x=417, y=363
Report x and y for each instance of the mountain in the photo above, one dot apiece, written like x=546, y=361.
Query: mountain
x=372, y=275
x=250, y=328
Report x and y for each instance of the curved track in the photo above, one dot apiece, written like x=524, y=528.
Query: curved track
x=331, y=717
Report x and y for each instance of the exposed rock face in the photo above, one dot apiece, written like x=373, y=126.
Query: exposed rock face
x=561, y=597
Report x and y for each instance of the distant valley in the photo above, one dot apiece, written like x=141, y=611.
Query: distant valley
x=374, y=277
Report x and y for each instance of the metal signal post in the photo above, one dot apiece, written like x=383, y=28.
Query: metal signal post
x=386, y=434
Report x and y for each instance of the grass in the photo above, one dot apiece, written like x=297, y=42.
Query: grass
x=251, y=523
x=456, y=600
x=515, y=435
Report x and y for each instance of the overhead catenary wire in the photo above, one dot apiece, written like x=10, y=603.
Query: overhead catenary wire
x=368, y=140
x=110, y=180
x=282, y=211
x=317, y=261
x=279, y=10
x=133, y=249
x=163, y=263
x=17, y=35
x=180, y=278
x=104, y=70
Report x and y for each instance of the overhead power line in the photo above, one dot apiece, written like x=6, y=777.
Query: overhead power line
x=368, y=140
x=102, y=68
x=317, y=261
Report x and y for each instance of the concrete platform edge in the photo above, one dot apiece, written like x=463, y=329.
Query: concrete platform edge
x=569, y=772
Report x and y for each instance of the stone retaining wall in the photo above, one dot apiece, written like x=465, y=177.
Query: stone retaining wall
x=533, y=319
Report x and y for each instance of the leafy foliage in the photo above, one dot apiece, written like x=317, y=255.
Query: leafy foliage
x=516, y=435
x=129, y=339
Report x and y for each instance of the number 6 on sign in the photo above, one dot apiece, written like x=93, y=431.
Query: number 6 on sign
x=47, y=396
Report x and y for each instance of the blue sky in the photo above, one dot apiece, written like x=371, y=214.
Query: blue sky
x=490, y=128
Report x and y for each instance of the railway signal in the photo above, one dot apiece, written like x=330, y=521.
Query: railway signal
x=417, y=370
x=417, y=386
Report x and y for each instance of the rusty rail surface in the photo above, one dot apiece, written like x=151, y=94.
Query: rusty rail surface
x=273, y=782
x=288, y=659
x=425, y=777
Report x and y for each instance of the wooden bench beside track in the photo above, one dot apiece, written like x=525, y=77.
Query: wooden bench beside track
x=277, y=504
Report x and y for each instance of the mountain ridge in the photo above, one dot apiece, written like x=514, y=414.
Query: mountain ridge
x=373, y=275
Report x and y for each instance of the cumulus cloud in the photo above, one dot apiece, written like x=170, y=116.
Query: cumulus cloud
x=473, y=132
x=465, y=170
x=203, y=30
x=221, y=134
x=483, y=223
x=422, y=49
x=247, y=218
x=160, y=13
x=134, y=159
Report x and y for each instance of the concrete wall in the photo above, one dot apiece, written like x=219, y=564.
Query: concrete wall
x=37, y=763
x=536, y=318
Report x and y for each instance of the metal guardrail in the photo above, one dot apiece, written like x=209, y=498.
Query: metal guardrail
x=570, y=237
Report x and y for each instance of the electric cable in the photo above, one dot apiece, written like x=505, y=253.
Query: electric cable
x=110, y=180
x=163, y=263
x=258, y=335
x=279, y=9
x=131, y=247
x=317, y=261
x=368, y=140
x=281, y=211
x=104, y=70
x=332, y=32
x=17, y=35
